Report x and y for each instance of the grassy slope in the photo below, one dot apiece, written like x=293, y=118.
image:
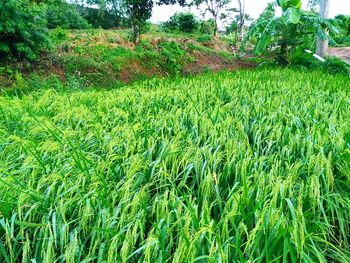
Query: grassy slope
x=108, y=58
x=251, y=165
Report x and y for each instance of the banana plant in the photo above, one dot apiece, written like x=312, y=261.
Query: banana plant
x=294, y=29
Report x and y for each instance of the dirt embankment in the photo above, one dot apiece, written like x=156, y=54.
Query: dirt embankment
x=105, y=58
x=340, y=52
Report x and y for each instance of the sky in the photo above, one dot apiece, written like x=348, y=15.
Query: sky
x=253, y=8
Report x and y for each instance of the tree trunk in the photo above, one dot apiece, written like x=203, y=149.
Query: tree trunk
x=241, y=4
x=135, y=27
x=322, y=44
x=283, y=54
x=136, y=34
x=215, y=25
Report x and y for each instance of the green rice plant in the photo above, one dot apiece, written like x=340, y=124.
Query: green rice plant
x=247, y=166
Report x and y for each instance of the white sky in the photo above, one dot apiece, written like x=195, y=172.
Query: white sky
x=253, y=8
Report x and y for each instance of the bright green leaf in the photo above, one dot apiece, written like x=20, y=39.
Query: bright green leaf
x=292, y=15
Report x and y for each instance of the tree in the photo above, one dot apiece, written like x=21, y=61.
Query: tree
x=22, y=29
x=322, y=40
x=138, y=12
x=214, y=7
x=312, y=4
x=290, y=33
x=241, y=4
x=182, y=22
x=115, y=7
x=102, y=13
x=237, y=24
x=60, y=13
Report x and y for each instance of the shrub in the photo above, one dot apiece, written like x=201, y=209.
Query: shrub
x=232, y=27
x=207, y=27
x=342, y=41
x=332, y=65
x=172, y=54
x=22, y=29
x=182, y=22
x=204, y=38
x=58, y=35
x=335, y=65
x=342, y=35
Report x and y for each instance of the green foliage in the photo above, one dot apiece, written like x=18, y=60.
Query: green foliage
x=232, y=27
x=104, y=58
x=22, y=29
x=215, y=8
x=172, y=57
x=343, y=41
x=342, y=36
x=104, y=13
x=295, y=30
x=332, y=65
x=204, y=38
x=182, y=22
x=335, y=65
x=24, y=85
x=61, y=14
x=97, y=65
x=105, y=18
x=58, y=35
x=289, y=4
x=207, y=27
x=249, y=166
x=138, y=12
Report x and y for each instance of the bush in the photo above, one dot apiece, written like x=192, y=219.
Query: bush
x=335, y=65
x=342, y=41
x=342, y=35
x=332, y=65
x=182, y=22
x=22, y=29
x=64, y=15
x=204, y=38
x=172, y=54
x=207, y=27
x=232, y=27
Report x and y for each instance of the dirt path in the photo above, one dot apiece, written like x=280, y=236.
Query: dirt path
x=340, y=52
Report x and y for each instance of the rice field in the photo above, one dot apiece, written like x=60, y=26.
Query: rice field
x=249, y=166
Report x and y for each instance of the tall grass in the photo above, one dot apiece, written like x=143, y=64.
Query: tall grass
x=251, y=166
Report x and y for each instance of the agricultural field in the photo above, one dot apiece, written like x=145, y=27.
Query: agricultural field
x=244, y=166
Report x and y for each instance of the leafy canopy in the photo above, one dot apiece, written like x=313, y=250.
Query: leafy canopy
x=289, y=33
x=62, y=14
x=182, y=22
x=22, y=29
